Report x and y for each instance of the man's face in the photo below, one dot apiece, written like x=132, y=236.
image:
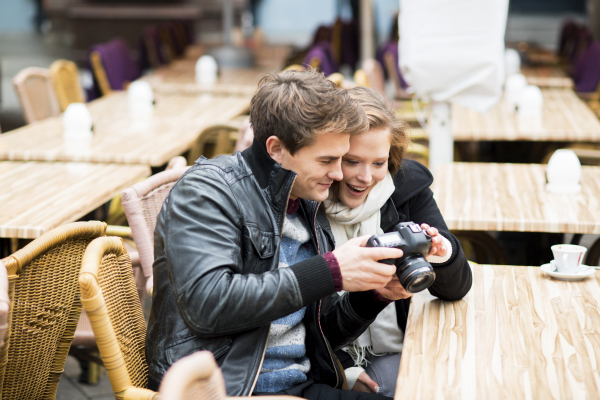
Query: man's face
x=317, y=165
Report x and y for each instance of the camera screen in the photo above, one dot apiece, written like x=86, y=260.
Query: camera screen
x=391, y=239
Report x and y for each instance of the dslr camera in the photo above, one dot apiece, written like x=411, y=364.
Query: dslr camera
x=413, y=271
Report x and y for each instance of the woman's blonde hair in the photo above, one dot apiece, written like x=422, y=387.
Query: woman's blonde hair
x=380, y=114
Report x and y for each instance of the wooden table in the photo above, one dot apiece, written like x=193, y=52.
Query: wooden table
x=512, y=197
x=37, y=197
x=518, y=334
x=547, y=77
x=180, y=77
x=120, y=138
x=565, y=118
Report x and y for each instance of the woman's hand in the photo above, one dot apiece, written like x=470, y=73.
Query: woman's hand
x=364, y=383
x=394, y=290
x=437, y=244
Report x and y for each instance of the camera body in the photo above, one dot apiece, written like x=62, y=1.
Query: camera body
x=413, y=271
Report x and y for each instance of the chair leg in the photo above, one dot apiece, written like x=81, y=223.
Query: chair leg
x=482, y=248
x=593, y=254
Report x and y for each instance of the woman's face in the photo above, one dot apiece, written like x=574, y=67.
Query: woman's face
x=365, y=164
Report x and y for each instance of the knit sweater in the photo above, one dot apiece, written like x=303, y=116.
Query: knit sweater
x=285, y=364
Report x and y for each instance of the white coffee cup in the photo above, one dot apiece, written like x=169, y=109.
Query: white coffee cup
x=568, y=257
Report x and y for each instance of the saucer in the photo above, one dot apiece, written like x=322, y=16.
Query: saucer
x=584, y=271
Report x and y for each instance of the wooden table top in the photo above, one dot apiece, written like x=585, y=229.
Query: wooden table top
x=547, y=77
x=512, y=197
x=517, y=334
x=119, y=138
x=180, y=77
x=565, y=118
x=38, y=197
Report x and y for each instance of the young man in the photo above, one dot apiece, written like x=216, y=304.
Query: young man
x=243, y=262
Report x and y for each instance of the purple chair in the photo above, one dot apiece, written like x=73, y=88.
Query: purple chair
x=151, y=50
x=350, y=46
x=584, y=39
x=586, y=75
x=320, y=56
x=391, y=48
x=112, y=66
x=568, y=37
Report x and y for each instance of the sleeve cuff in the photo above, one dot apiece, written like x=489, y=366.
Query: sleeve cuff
x=352, y=375
x=380, y=298
x=441, y=260
x=314, y=279
x=334, y=267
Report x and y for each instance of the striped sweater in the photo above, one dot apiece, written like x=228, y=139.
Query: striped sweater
x=285, y=364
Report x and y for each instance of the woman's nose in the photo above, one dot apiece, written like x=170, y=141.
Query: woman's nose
x=365, y=176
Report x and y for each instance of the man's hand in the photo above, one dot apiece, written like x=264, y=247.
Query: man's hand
x=365, y=384
x=359, y=265
x=394, y=290
x=437, y=244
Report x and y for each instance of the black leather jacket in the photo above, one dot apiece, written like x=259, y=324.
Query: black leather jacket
x=217, y=285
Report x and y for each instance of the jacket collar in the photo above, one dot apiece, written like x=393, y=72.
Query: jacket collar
x=270, y=176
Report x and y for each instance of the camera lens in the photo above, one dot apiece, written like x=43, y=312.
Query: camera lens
x=415, y=274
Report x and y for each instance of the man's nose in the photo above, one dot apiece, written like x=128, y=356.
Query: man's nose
x=336, y=173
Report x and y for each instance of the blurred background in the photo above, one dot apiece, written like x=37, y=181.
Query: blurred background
x=37, y=32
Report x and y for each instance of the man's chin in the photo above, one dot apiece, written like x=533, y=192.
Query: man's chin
x=318, y=196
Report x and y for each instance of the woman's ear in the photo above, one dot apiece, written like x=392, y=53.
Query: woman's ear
x=275, y=148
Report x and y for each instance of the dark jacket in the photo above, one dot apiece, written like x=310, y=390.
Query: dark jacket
x=217, y=285
x=413, y=201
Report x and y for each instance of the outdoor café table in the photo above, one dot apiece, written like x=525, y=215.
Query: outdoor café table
x=518, y=334
x=120, y=138
x=180, y=77
x=39, y=196
x=547, y=77
x=565, y=118
x=512, y=197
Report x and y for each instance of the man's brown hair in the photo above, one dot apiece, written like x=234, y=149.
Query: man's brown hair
x=297, y=105
x=380, y=114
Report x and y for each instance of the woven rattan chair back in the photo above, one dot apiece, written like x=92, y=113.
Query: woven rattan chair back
x=142, y=203
x=36, y=94
x=4, y=302
x=110, y=298
x=65, y=77
x=45, y=308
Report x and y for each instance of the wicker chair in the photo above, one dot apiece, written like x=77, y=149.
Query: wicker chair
x=223, y=136
x=197, y=377
x=66, y=83
x=4, y=302
x=109, y=296
x=142, y=203
x=36, y=94
x=45, y=308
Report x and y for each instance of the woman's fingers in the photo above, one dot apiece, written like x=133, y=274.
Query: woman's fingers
x=370, y=383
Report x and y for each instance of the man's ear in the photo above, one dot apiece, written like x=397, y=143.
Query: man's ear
x=275, y=148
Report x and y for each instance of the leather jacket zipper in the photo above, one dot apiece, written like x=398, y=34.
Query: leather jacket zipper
x=333, y=364
x=262, y=358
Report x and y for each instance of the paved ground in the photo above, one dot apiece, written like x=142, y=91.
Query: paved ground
x=70, y=389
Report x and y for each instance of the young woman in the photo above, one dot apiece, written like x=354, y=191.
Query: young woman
x=379, y=190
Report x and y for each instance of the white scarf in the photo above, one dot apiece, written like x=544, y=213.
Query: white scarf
x=347, y=223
